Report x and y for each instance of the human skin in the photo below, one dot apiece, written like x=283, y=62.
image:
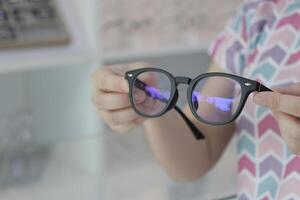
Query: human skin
x=285, y=104
x=182, y=156
x=172, y=143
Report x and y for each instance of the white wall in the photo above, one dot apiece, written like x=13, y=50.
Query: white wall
x=50, y=137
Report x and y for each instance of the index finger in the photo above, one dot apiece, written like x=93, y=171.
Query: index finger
x=107, y=81
x=281, y=102
x=292, y=89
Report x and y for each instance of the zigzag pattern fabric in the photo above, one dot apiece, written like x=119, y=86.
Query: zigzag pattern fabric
x=262, y=42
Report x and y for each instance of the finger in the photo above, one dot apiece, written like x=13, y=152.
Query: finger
x=121, y=69
x=124, y=128
x=292, y=89
x=280, y=102
x=150, y=78
x=110, y=101
x=107, y=81
x=288, y=120
x=120, y=117
x=115, y=101
x=290, y=130
x=150, y=106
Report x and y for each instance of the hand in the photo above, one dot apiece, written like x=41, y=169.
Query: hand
x=110, y=95
x=285, y=104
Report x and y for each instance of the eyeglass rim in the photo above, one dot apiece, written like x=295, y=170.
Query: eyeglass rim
x=131, y=79
x=247, y=87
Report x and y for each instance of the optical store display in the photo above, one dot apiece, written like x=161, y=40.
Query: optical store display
x=145, y=25
x=27, y=23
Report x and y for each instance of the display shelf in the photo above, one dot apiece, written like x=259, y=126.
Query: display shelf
x=79, y=51
x=120, y=55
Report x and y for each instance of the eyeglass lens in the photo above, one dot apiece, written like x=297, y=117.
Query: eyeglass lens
x=151, y=92
x=216, y=99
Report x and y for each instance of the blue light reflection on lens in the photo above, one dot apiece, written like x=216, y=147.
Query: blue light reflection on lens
x=223, y=104
x=156, y=94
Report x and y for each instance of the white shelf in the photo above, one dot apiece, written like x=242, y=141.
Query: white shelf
x=119, y=55
x=78, y=52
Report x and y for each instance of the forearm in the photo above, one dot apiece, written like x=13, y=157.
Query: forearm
x=176, y=149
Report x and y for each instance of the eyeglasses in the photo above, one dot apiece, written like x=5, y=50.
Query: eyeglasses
x=213, y=98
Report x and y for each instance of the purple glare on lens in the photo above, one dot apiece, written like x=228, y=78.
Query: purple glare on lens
x=166, y=94
x=221, y=103
x=156, y=94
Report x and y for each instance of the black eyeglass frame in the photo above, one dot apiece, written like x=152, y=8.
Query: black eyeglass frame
x=247, y=87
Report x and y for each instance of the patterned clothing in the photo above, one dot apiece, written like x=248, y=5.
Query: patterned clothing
x=262, y=42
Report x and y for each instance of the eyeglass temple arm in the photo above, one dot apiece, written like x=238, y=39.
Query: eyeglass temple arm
x=262, y=88
x=196, y=132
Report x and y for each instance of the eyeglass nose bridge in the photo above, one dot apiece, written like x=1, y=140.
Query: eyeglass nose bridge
x=182, y=80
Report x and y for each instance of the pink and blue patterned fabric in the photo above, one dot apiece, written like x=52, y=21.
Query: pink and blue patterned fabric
x=262, y=42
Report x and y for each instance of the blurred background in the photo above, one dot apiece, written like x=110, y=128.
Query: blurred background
x=52, y=144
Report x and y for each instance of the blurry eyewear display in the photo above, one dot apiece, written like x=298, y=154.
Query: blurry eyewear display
x=153, y=92
x=27, y=23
